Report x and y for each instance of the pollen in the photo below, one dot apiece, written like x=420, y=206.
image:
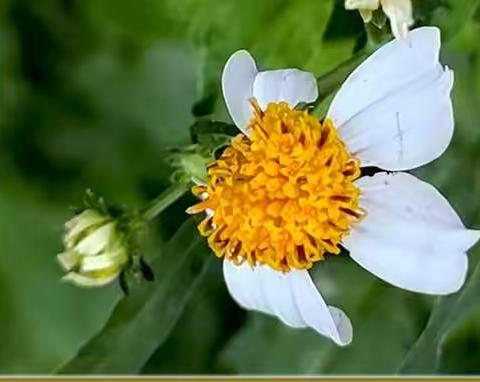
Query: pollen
x=283, y=196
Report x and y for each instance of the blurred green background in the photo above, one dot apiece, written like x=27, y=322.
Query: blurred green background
x=93, y=92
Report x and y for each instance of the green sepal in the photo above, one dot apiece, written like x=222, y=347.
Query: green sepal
x=207, y=132
x=209, y=138
x=379, y=18
x=146, y=270
x=136, y=272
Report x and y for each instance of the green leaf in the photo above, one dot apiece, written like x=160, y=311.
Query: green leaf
x=455, y=359
x=447, y=314
x=205, y=326
x=267, y=346
x=142, y=321
x=383, y=334
x=34, y=302
x=280, y=34
x=379, y=344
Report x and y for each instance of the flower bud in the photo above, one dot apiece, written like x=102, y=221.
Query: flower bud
x=189, y=163
x=399, y=13
x=96, y=250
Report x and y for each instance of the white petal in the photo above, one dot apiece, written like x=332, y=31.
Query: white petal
x=79, y=223
x=291, y=296
x=243, y=283
x=399, y=13
x=327, y=320
x=86, y=281
x=67, y=260
x=411, y=237
x=237, y=85
x=366, y=14
x=362, y=4
x=278, y=303
x=394, y=111
x=289, y=85
x=96, y=241
x=98, y=263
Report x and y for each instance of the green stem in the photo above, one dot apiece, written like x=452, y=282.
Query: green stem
x=330, y=82
x=164, y=200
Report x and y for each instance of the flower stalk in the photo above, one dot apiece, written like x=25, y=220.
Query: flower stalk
x=329, y=82
x=164, y=200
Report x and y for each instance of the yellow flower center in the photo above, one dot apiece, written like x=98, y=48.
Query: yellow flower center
x=284, y=196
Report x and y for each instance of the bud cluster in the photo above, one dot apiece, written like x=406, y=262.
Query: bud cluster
x=96, y=249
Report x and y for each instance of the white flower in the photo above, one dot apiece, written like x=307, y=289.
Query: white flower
x=394, y=112
x=399, y=13
x=95, y=250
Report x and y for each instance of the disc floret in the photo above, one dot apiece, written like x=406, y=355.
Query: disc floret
x=283, y=196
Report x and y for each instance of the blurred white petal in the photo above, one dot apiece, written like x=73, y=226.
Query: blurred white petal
x=97, y=263
x=82, y=221
x=96, y=241
x=85, y=281
x=362, y=4
x=67, y=260
x=367, y=15
x=399, y=12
